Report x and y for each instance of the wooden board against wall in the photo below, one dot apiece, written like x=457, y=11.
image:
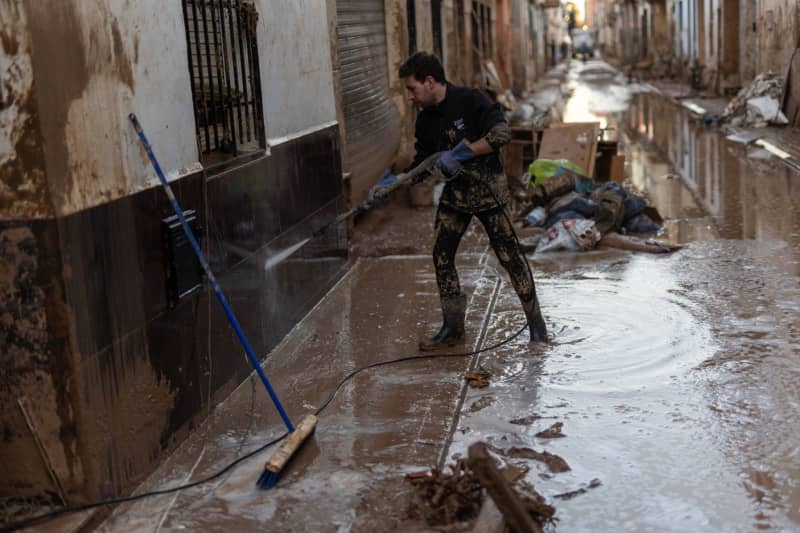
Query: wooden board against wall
x=573, y=141
x=791, y=90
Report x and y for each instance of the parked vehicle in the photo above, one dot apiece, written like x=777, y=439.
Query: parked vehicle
x=582, y=43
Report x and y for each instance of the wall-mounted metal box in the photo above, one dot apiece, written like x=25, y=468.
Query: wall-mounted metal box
x=184, y=274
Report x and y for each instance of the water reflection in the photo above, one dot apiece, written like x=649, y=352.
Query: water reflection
x=744, y=277
x=677, y=377
x=692, y=172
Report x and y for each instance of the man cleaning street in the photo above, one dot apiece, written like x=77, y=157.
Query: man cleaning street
x=469, y=129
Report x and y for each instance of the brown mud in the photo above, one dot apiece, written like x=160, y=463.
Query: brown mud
x=555, y=463
x=553, y=432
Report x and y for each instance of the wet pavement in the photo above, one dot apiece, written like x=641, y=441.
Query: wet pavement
x=675, y=377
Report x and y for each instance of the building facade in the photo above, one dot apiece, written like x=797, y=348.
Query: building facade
x=269, y=118
x=718, y=45
x=112, y=349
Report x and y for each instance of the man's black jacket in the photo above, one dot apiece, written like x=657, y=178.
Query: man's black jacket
x=466, y=114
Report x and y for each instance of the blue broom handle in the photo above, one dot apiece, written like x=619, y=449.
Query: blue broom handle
x=213, y=280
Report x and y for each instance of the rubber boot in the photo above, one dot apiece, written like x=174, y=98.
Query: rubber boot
x=536, y=323
x=452, y=332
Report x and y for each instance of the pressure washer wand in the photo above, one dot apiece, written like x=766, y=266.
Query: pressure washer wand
x=402, y=179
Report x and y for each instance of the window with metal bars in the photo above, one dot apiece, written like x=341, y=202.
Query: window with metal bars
x=226, y=83
x=482, y=40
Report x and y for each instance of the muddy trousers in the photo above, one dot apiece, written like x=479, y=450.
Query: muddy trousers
x=450, y=227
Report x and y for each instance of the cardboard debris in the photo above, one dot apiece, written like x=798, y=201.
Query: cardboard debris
x=575, y=142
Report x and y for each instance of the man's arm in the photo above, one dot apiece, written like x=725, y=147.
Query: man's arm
x=497, y=136
x=492, y=122
x=495, y=130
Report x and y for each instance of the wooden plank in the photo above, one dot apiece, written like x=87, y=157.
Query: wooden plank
x=574, y=141
x=791, y=90
x=617, y=172
x=500, y=490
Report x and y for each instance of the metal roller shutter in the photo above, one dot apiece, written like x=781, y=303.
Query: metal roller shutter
x=372, y=123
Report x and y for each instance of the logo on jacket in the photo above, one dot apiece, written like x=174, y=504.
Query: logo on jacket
x=459, y=123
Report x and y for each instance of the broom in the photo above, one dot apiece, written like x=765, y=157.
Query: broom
x=297, y=436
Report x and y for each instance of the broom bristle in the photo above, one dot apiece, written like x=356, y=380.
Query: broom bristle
x=268, y=479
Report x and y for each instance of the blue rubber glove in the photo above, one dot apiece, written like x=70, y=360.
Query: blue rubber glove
x=450, y=162
x=376, y=193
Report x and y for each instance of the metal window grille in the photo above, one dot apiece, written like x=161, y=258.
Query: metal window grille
x=436, y=25
x=226, y=83
x=412, y=26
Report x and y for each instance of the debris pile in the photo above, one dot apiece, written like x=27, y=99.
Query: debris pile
x=758, y=104
x=568, y=211
x=443, y=498
x=457, y=495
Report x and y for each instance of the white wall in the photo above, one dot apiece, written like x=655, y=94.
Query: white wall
x=296, y=73
x=685, y=28
x=96, y=61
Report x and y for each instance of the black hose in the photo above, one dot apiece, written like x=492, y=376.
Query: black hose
x=115, y=501
x=28, y=522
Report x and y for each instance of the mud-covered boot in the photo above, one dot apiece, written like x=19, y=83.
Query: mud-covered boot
x=452, y=333
x=535, y=320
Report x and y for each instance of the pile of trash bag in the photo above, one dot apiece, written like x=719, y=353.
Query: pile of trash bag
x=576, y=211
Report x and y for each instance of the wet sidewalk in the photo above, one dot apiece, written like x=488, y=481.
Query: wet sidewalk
x=384, y=423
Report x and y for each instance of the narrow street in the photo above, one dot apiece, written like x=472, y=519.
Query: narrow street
x=264, y=265
x=673, y=376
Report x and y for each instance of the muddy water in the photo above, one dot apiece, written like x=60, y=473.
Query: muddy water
x=676, y=377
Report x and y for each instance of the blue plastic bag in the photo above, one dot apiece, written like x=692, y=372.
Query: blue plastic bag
x=641, y=223
x=632, y=206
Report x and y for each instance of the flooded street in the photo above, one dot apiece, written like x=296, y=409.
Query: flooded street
x=675, y=378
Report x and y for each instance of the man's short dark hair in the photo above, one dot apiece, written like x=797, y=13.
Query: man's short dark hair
x=421, y=65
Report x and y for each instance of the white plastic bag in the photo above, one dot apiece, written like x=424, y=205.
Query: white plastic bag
x=765, y=109
x=570, y=234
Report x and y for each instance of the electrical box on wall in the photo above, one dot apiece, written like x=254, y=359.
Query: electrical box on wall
x=184, y=274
